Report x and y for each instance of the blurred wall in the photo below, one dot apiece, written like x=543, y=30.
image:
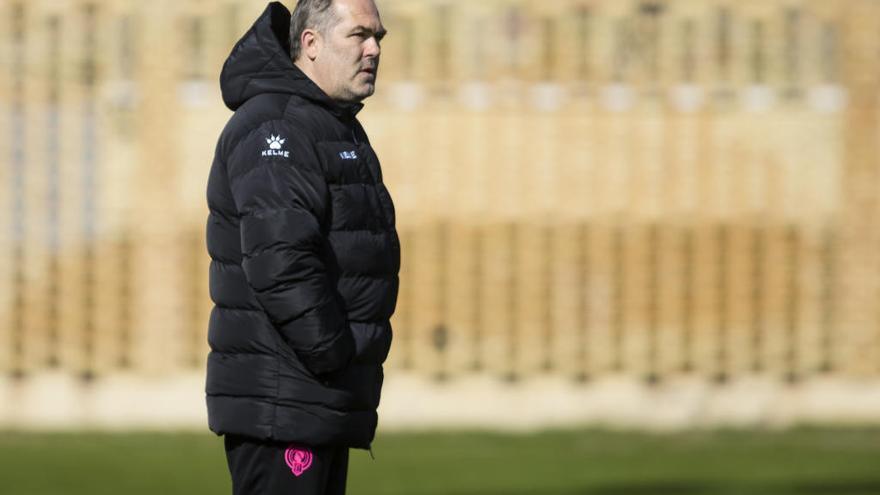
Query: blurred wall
x=648, y=189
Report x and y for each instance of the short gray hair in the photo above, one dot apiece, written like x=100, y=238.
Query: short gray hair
x=309, y=14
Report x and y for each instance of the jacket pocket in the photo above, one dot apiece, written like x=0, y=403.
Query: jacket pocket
x=360, y=383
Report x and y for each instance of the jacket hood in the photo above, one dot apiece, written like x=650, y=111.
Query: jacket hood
x=260, y=63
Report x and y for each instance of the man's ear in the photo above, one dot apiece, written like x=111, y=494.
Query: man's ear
x=310, y=41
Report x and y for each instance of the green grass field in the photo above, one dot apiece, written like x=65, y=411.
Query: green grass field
x=806, y=461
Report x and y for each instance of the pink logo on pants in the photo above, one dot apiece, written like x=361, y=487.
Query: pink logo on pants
x=298, y=459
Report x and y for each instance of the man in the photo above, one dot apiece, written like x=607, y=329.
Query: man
x=304, y=253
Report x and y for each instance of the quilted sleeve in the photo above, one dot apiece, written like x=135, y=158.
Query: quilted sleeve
x=281, y=197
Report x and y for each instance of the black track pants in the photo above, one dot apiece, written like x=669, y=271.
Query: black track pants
x=268, y=468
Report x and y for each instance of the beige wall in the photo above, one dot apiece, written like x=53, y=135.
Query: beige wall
x=581, y=189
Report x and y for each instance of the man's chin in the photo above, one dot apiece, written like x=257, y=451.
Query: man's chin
x=366, y=91
x=356, y=95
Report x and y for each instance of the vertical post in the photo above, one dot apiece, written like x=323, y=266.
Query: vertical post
x=89, y=187
x=720, y=360
x=124, y=317
x=195, y=322
x=792, y=356
x=758, y=326
x=650, y=41
x=549, y=49
x=827, y=363
x=618, y=298
x=514, y=27
x=121, y=127
x=687, y=300
x=478, y=318
x=688, y=52
x=792, y=49
x=583, y=320
x=724, y=47
x=404, y=320
x=547, y=329
x=857, y=257
x=440, y=328
x=583, y=48
x=18, y=124
x=442, y=48
x=758, y=55
x=830, y=53
x=53, y=196
x=652, y=352
x=156, y=327
x=513, y=231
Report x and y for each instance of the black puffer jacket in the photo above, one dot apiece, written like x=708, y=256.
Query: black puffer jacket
x=304, y=256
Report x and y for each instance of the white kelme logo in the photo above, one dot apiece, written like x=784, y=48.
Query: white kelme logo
x=275, y=143
x=348, y=155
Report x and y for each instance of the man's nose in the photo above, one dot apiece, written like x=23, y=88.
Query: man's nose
x=372, y=49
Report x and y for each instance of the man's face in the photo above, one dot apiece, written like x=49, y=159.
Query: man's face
x=348, y=61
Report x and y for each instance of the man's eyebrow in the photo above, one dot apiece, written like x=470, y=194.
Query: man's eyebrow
x=381, y=32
